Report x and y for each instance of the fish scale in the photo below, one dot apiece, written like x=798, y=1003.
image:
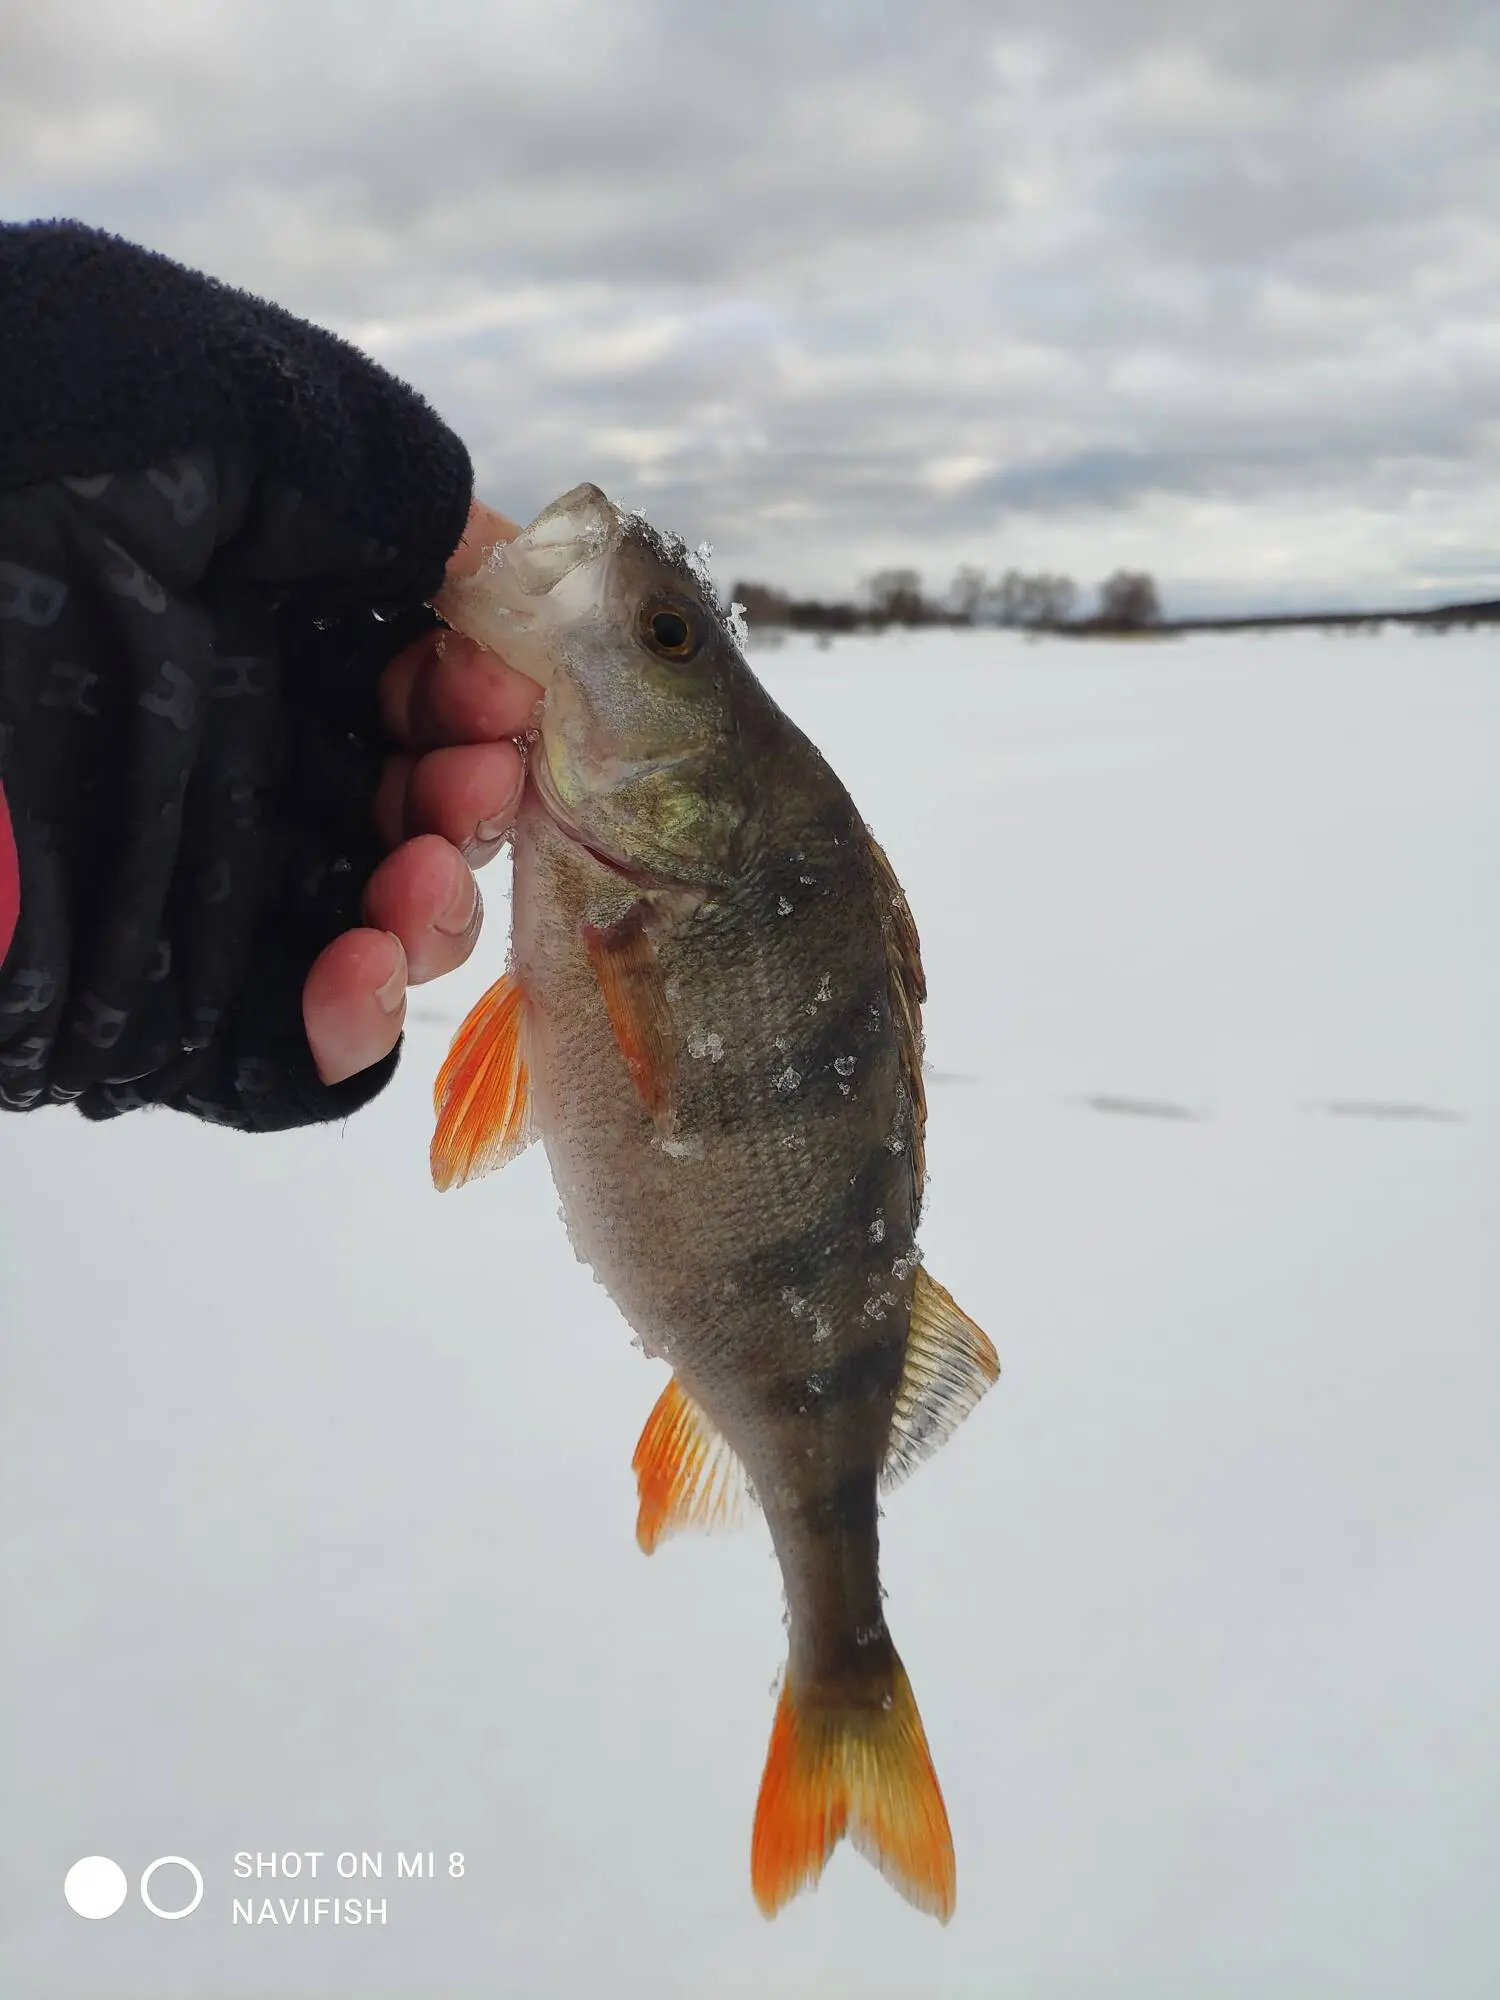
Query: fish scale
x=711, y=1018
x=739, y=1188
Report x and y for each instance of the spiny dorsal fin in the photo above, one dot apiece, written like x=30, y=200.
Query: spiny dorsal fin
x=907, y=987
x=949, y=1365
x=685, y=1473
x=630, y=979
x=482, y=1096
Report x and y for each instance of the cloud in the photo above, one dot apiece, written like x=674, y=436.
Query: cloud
x=839, y=284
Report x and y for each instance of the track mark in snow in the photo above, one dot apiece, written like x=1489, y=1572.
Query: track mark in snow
x=1144, y=1107
x=1374, y=1107
x=432, y=1017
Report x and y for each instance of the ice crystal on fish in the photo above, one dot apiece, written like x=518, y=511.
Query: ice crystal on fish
x=788, y=1079
x=783, y=907
x=705, y=1044
x=844, y=1065
x=877, y=1230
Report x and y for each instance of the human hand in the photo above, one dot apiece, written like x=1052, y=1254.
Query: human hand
x=447, y=795
x=241, y=826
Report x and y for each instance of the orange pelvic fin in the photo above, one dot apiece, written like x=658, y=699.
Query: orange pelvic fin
x=482, y=1096
x=685, y=1473
x=950, y=1363
x=856, y=1767
x=630, y=979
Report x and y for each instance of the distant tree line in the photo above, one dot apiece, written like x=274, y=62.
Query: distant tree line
x=1038, y=602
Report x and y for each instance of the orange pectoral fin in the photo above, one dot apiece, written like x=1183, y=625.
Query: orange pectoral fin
x=630, y=979
x=482, y=1096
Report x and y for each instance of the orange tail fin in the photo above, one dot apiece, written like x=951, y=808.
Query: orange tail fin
x=860, y=1768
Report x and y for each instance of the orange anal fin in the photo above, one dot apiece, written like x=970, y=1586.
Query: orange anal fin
x=685, y=1473
x=860, y=1768
x=482, y=1096
x=630, y=979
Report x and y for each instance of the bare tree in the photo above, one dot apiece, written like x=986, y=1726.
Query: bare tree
x=762, y=604
x=1036, y=600
x=966, y=594
x=1052, y=599
x=896, y=597
x=1129, y=601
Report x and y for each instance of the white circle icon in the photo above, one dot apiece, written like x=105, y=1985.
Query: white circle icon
x=171, y=1861
x=95, y=1887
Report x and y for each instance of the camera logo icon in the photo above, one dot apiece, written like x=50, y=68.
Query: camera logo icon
x=96, y=1887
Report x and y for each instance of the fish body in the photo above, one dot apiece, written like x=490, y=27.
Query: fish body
x=711, y=1018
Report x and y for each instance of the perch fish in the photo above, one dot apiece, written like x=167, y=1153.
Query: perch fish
x=711, y=1018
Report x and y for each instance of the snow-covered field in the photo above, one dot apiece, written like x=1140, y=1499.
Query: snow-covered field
x=316, y=1493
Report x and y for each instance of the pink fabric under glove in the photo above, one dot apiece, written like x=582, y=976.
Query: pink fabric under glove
x=10, y=882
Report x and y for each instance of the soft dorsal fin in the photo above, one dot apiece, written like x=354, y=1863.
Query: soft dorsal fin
x=949, y=1365
x=630, y=979
x=482, y=1096
x=685, y=1473
x=907, y=988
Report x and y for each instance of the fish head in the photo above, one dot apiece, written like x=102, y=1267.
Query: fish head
x=646, y=691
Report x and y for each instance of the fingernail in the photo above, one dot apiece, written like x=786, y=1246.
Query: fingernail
x=393, y=992
x=462, y=911
x=489, y=831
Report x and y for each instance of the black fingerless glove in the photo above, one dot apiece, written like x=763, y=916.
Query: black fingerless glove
x=217, y=524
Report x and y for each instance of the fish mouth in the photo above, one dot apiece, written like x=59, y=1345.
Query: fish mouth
x=527, y=589
x=573, y=531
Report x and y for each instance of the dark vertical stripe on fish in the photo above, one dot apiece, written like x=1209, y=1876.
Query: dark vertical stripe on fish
x=850, y=1508
x=862, y=1377
x=860, y=1215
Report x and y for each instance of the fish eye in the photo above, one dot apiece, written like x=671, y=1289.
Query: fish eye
x=670, y=632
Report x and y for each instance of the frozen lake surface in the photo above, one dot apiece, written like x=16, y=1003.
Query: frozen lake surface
x=317, y=1506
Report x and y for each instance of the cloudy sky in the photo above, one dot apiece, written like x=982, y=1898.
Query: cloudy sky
x=1211, y=286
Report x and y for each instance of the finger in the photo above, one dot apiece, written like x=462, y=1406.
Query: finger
x=426, y=893
x=469, y=795
x=482, y=530
x=444, y=688
x=388, y=807
x=354, y=1002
